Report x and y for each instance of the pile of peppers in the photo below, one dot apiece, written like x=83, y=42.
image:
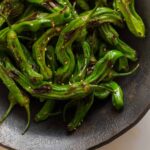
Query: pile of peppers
x=65, y=54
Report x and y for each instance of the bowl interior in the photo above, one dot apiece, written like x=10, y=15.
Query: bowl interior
x=102, y=124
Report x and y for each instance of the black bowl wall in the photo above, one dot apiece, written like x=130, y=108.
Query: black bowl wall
x=102, y=125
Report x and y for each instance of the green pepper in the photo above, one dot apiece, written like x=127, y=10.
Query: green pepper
x=113, y=74
x=83, y=4
x=110, y=35
x=17, y=53
x=103, y=65
x=17, y=97
x=10, y=8
x=84, y=64
x=117, y=95
x=45, y=111
x=40, y=47
x=101, y=94
x=51, y=59
x=83, y=107
x=133, y=20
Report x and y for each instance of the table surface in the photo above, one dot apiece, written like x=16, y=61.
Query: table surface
x=136, y=138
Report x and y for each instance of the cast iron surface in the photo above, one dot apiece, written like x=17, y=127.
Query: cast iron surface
x=103, y=123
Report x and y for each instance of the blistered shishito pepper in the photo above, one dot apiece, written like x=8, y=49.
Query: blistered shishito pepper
x=51, y=59
x=16, y=95
x=42, y=20
x=103, y=15
x=82, y=108
x=94, y=42
x=133, y=20
x=110, y=35
x=12, y=103
x=78, y=67
x=29, y=57
x=83, y=4
x=103, y=65
x=10, y=8
x=101, y=94
x=53, y=5
x=68, y=35
x=116, y=92
x=82, y=69
x=113, y=74
x=40, y=47
x=37, y=21
x=45, y=111
x=103, y=49
x=47, y=90
x=117, y=95
x=15, y=49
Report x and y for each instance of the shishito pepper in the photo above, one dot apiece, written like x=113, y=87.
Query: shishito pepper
x=16, y=96
x=17, y=53
x=40, y=47
x=133, y=20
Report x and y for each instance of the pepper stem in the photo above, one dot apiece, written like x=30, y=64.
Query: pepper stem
x=27, y=108
x=5, y=115
x=12, y=101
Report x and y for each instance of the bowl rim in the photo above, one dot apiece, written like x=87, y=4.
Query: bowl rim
x=127, y=128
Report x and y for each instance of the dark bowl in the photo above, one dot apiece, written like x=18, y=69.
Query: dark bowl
x=103, y=123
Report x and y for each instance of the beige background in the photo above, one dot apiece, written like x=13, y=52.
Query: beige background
x=1, y=148
x=138, y=138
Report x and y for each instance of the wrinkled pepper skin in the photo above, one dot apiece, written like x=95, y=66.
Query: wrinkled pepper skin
x=133, y=20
